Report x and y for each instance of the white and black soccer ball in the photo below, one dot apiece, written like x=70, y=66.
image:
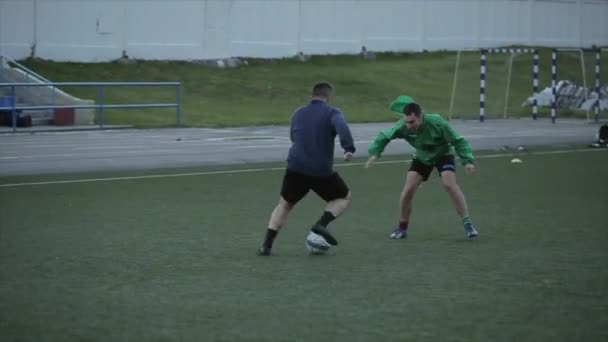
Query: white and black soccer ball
x=316, y=244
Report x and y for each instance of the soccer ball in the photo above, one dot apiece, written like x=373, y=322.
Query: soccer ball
x=316, y=244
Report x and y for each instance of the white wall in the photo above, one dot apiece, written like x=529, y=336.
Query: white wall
x=17, y=27
x=99, y=30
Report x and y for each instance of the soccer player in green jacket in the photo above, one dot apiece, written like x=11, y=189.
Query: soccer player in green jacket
x=435, y=142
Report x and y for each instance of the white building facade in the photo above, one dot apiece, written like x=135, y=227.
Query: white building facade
x=100, y=30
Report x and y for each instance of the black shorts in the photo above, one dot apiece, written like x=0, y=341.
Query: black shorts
x=296, y=186
x=446, y=163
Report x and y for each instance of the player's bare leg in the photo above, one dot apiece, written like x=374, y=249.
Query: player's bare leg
x=337, y=207
x=448, y=178
x=278, y=217
x=406, y=199
x=333, y=209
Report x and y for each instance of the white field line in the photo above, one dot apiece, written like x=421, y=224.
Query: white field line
x=225, y=172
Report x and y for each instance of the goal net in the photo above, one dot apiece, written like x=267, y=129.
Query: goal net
x=494, y=83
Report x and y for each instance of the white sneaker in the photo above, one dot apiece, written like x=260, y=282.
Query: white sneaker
x=399, y=234
x=471, y=231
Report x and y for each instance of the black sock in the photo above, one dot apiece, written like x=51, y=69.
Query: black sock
x=326, y=219
x=270, y=235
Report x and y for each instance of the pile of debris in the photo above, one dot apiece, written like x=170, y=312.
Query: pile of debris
x=571, y=95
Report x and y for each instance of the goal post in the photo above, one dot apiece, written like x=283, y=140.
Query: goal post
x=510, y=53
x=463, y=60
x=583, y=55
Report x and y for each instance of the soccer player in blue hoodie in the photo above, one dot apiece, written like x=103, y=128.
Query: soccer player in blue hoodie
x=310, y=164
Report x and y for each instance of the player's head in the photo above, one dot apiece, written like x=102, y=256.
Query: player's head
x=413, y=116
x=323, y=90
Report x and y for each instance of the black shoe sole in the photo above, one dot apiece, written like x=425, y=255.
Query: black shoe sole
x=325, y=234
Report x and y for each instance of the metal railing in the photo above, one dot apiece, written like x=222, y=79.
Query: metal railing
x=8, y=61
x=100, y=105
x=27, y=76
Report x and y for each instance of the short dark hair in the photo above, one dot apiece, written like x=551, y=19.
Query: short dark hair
x=412, y=108
x=322, y=89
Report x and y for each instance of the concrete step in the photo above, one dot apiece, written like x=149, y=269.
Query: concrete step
x=42, y=121
x=39, y=113
x=40, y=117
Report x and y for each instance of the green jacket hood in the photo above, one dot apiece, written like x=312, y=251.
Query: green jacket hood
x=400, y=103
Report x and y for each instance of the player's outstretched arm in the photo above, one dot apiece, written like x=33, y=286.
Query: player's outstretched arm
x=382, y=140
x=469, y=168
x=461, y=146
x=370, y=161
x=346, y=139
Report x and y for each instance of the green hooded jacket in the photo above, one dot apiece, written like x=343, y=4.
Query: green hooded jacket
x=434, y=140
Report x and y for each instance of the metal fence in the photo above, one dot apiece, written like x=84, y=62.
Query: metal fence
x=101, y=106
x=26, y=75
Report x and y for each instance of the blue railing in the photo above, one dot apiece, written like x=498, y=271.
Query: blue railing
x=100, y=105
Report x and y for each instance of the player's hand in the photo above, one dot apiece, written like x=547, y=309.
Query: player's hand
x=370, y=161
x=470, y=169
x=348, y=156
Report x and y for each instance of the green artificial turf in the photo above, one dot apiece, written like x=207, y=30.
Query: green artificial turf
x=173, y=258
